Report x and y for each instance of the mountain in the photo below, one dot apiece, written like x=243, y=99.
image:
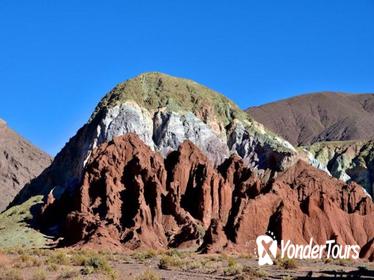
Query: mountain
x=130, y=197
x=164, y=111
x=335, y=128
x=165, y=162
x=20, y=162
x=326, y=116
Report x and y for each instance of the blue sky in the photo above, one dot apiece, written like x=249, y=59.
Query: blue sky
x=58, y=58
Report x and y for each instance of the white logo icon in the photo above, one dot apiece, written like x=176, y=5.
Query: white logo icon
x=266, y=249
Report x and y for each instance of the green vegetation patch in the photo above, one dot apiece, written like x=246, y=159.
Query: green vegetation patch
x=14, y=228
x=154, y=91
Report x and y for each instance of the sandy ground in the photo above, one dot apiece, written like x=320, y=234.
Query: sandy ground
x=39, y=264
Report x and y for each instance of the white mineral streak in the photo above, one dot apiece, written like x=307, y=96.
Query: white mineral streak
x=164, y=131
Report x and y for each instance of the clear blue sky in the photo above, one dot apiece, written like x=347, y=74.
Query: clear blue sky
x=58, y=58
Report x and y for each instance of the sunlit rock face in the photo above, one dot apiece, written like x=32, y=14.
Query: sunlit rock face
x=164, y=111
x=162, y=131
x=131, y=197
x=346, y=160
x=165, y=162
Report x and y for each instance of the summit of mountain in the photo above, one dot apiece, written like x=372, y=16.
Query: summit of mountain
x=164, y=111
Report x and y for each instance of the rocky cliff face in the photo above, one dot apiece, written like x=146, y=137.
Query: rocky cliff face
x=346, y=160
x=303, y=203
x=19, y=163
x=131, y=197
x=165, y=111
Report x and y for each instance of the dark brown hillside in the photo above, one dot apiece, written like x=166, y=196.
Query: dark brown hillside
x=326, y=116
x=20, y=162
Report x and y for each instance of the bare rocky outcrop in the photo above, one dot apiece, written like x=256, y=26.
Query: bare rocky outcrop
x=20, y=162
x=350, y=161
x=304, y=203
x=164, y=112
x=131, y=198
x=120, y=198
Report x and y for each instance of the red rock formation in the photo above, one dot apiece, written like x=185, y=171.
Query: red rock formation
x=130, y=197
x=120, y=198
x=304, y=203
x=215, y=239
x=197, y=193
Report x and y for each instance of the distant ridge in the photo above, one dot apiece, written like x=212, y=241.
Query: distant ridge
x=20, y=162
x=324, y=116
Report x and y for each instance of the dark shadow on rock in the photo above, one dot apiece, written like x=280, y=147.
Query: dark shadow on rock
x=360, y=273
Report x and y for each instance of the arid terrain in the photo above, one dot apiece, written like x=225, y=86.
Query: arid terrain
x=40, y=264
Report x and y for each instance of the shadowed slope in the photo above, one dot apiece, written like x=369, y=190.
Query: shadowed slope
x=20, y=162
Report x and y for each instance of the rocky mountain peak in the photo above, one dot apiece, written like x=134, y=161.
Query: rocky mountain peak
x=165, y=111
x=157, y=91
x=180, y=109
